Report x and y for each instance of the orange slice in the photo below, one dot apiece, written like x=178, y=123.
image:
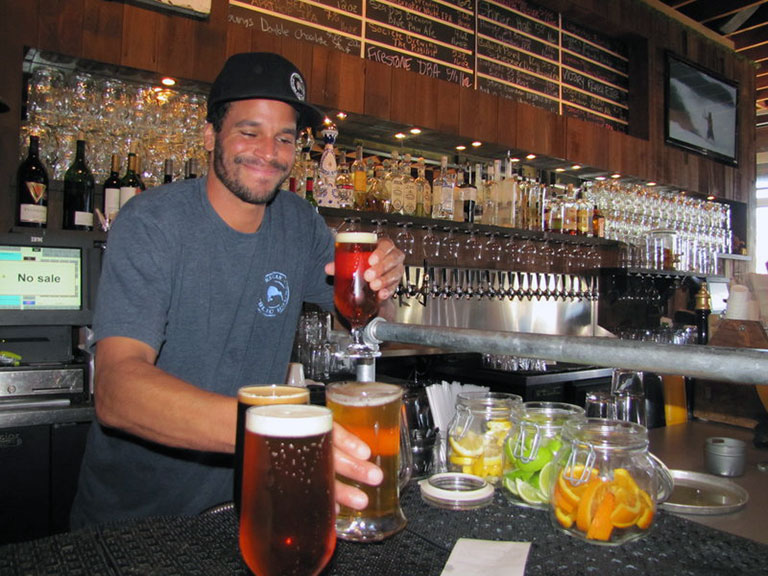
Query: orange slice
x=563, y=502
x=565, y=520
x=623, y=478
x=645, y=518
x=589, y=502
x=600, y=528
x=628, y=507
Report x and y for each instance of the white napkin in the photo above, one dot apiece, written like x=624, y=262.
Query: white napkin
x=483, y=557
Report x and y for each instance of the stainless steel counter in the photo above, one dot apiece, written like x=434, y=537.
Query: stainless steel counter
x=681, y=447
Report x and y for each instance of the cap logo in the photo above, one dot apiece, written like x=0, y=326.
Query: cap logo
x=297, y=85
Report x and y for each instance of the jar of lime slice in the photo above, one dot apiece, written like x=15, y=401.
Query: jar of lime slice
x=530, y=448
x=477, y=432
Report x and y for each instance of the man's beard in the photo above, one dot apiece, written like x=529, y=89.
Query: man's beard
x=234, y=185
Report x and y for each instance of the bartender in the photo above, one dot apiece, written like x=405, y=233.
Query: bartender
x=201, y=291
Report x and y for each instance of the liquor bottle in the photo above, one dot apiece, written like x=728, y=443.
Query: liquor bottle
x=508, y=196
x=344, y=183
x=493, y=184
x=442, y=189
x=570, y=212
x=130, y=185
x=584, y=217
x=78, y=192
x=32, y=189
x=112, y=190
x=310, y=175
x=598, y=223
x=480, y=194
x=397, y=185
x=359, y=179
x=702, y=310
x=375, y=196
x=423, y=190
x=190, y=170
x=168, y=171
x=409, y=187
x=458, y=197
x=469, y=197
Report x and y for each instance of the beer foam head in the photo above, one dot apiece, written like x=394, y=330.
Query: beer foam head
x=364, y=393
x=288, y=420
x=356, y=238
x=272, y=391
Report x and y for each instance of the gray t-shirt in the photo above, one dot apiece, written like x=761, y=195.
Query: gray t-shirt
x=220, y=307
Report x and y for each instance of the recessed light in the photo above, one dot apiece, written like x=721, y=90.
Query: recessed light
x=710, y=197
x=461, y=147
x=650, y=184
x=341, y=115
x=168, y=81
x=576, y=167
x=600, y=178
x=614, y=176
x=530, y=156
x=400, y=136
x=514, y=159
x=477, y=143
x=559, y=169
x=415, y=131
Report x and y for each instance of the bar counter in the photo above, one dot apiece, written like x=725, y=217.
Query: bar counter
x=207, y=545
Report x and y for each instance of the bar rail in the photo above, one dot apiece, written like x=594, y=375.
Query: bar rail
x=738, y=365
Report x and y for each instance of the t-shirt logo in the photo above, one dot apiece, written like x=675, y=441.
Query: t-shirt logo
x=276, y=295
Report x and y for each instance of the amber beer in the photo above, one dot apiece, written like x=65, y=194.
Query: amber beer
x=263, y=395
x=371, y=411
x=352, y=296
x=288, y=505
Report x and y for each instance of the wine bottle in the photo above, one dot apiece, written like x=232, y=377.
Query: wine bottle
x=168, y=171
x=190, y=173
x=78, y=192
x=130, y=185
x=112, y=190
x=32, y=189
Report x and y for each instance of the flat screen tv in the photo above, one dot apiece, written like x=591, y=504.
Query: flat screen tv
x=48, y=278
x=701, y=110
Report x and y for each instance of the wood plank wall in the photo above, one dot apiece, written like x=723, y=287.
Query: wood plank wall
x=129, y=35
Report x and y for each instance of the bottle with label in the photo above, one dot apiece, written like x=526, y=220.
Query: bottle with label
x=508, y=196
x=570, y=212
x=326, y=193
x=130, y=185
x=409, y=187
x=598, y=223
x=32, y=189
x=584, y=217
x=397, y=185
x=492, y=189
x=112, y=190
x=344, y=183
x=190, y=170
x=480, y=193
x=310, y=175
x=442, y=189
x=168, y=171
x=469, y=196
x=702, y=311
x=78, y=192
x=458, y=196
x=359, y=179
x=423, y=191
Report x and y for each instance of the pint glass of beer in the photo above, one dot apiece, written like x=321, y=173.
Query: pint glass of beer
x=259, y=396
x=288, y=504
x=352, y=295
x=371, y=411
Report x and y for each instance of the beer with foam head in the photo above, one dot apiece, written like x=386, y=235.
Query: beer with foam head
x=352, y=295
x=288, y=504
x=371, y=411
x=248, y=396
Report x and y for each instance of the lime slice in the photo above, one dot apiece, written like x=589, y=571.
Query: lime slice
x=528, y=494
x=547, y=478
x=468, y=446
x=510, y=484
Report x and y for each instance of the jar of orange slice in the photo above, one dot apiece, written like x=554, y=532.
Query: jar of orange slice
x=476, y=433
x=606, y=484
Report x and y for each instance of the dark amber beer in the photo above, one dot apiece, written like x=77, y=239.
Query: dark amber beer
x=264, y=395
x=371, y=411
x=288, y=505
x=352, y=296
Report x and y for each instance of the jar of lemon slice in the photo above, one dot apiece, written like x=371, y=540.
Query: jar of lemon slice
x=477, y=431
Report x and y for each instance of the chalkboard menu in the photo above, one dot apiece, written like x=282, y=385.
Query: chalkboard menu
x=511, y=48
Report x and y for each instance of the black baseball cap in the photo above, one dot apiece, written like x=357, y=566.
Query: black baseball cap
x=267, y=76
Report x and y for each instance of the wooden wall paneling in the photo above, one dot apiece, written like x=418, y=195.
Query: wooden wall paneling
x=507, y=129
x=139, y=49
x=238, y=33
x=478, y=115
x=542, y=132
x=585, y=143
x=338, y=80
x=175, y=43
x=413, y=99
x=60, y=26
x=210, y=47
x=447, y=107
x=377, y=90
x=102, y=31
x=303, y=57
x=627, y=155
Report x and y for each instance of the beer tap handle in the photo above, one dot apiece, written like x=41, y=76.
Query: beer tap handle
x=445, y=291
x=458, y=289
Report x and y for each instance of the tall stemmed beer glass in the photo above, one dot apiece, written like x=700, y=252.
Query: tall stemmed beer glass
x=287, y=522
x=352, y=295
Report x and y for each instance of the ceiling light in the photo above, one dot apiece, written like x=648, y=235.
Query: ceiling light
x=415, y=131
x=614, y=176
x=530, y=156
x=600, y=178
x=650, y=184
x=341, y=115
x=477, y=143
x=710, y=197
x=559, y=169
x=576, y=167
x=461, y=147
x=168, y=81
x=400, y=136
x=514, y=159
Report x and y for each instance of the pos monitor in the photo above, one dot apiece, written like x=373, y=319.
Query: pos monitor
x=48, y=278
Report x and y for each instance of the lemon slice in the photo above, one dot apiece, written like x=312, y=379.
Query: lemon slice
x=469, y=446
x=547, y=478
x=528, y=494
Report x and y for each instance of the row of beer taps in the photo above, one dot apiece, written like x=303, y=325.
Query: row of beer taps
x=424, y=282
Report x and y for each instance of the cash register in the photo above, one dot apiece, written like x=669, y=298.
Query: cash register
x=48, y=285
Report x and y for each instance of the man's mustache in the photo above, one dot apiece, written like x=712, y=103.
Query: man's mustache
x=259, y=162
